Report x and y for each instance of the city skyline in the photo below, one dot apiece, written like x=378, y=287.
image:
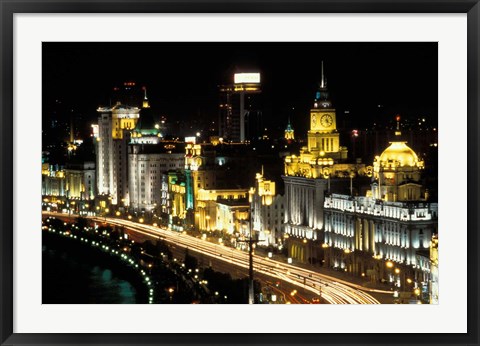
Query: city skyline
x=371, y=81
x=324, y=157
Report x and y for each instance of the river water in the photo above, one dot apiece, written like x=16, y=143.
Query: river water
x=76, y=277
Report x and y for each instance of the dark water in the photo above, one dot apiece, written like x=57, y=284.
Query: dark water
x=73, y=276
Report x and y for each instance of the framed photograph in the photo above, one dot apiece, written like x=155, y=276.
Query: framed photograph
x=239, y=172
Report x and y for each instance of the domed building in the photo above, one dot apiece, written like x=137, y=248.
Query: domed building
x=397, y=173
x=398, y=154
x=387, y=234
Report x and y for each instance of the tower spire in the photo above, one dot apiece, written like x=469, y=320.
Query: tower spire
x=146, y=104
x=322, y=98
x=72, y=132
x=322, y=85
x=289, y=134
x=398, y=133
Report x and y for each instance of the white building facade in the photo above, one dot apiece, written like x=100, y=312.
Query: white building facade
x=308, y=176
x=147, y=163
x=386, y=235
x=114, y=128
x=80, y=180
x=267, y=212
x=53, y=180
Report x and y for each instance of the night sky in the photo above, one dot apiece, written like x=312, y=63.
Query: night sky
x=182, y=78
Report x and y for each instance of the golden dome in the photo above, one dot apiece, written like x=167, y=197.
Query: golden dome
x=399, y=152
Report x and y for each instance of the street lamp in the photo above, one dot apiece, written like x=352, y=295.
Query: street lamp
x=389, y=266
x=352, y=175
x=398, y=281
x=170, y=292
x=251, y=243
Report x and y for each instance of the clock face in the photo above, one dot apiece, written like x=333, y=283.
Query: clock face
x=326, y=120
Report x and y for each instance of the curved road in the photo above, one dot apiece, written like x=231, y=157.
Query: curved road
x=331, y=289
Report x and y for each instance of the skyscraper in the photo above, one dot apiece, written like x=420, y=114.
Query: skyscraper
x=114, y=127
x=240, y=117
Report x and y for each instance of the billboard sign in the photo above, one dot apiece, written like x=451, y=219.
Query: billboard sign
x=246, y=78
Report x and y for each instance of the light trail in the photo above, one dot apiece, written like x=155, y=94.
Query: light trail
x=331, y=289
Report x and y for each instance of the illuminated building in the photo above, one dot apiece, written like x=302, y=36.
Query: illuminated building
x=62, y=187
x=177, y=200
x=53, y=180
x=180, y=188
x=147, y=163
x=80, y=180
x=309, y=176
x=323, y=137
x=240, y=115
x=211, y=205
x=115, y=125
x=213, y=208
x=267, y=211
x=148, y=158
x=397, y=173
x=203, y=170
x=289, y=133
x=174, y=199
x=387, y=234
x=211, y=173
x=433, y=289
x=113, y=133
x=149, y=126
x=53, y=193
x=323, y=156
x=231, y=216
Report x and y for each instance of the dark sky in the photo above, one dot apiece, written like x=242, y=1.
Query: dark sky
x=182, y=78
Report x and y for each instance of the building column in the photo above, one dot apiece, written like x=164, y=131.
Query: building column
x=372, y=236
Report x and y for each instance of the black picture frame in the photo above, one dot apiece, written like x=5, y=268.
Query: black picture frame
x=9, y=7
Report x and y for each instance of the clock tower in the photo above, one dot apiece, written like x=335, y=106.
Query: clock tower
x=323, y=137
x=308, y=176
